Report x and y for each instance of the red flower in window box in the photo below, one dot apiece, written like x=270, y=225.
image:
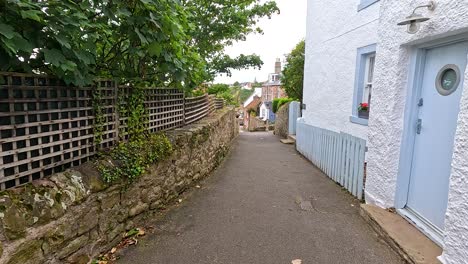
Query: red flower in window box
x=363, y=107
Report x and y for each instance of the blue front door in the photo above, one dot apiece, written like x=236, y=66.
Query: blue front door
x=442, y=87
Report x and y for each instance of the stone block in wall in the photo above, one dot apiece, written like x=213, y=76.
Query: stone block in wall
x=89, y=218
x=28, y=252
x=73, y=246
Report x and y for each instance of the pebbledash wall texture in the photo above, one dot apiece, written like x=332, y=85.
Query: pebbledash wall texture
x=394, y=50
x=73, y=216
x=335, y=31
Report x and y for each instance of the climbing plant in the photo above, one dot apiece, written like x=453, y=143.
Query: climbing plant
x=137, y=116
x=99, y=118
x=131, y=159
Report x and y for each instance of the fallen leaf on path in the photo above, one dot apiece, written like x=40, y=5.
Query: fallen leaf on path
x=113, y=250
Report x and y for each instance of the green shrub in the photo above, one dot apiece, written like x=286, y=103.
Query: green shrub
x=228, y=98
x=218, y=88
x=252, y=112
x=131, y=159
x=278, y=102
x=197, y=93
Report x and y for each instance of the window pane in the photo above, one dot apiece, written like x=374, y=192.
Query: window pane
x=367, y=89
x=370, y=75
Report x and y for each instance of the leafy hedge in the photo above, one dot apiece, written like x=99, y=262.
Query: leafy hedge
x=278, y=102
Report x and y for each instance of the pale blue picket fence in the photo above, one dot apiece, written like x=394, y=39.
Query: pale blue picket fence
x=294, y=113
x=339, y=155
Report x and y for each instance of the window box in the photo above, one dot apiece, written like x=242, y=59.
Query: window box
x=363, y=114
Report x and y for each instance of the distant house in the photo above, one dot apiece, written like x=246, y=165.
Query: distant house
x=251, y=110
x=246, y=86
x=253, y=102
x=271, y=90
x=414, y=81
x=257, y=93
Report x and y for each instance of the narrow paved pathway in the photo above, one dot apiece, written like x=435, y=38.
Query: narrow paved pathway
x=267, y=205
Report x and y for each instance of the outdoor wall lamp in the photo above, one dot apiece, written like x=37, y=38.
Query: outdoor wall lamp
x=413, y=22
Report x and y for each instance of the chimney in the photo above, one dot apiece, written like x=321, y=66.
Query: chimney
x=278, y=66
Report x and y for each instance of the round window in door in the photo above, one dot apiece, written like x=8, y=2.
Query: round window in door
x=448, y=79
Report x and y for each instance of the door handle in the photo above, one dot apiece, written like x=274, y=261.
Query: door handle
x=418, y=126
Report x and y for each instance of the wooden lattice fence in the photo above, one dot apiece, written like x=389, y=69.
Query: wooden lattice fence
x=47, y=127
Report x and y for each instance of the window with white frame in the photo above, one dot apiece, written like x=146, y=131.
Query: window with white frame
x=364, y=78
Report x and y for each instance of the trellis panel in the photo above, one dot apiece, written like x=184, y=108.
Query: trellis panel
x=196, y=108
x=46, y=126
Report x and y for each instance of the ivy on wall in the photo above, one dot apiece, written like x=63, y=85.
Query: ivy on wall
x=130, y=159
x=136, y=113
x=99, y=118
x=134, y=155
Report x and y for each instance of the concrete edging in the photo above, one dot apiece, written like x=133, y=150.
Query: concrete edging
x=405, y=239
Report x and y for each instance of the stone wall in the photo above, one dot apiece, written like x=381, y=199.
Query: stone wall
x=282, y=121
x=71, y=217
x=256, y=124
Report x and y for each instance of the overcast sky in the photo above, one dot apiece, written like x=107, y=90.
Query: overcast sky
x=281, y=34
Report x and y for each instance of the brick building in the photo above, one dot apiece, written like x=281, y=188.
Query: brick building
x=271, y=90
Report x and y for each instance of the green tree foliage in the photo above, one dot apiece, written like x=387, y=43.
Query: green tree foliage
x=151, y=42
x=293, y=73
x=244, y=95
x=278, y=102
x=229, y=98
x=136, y=40
x=49, y=36
x=229, y=94
x=220, y=23
x=218, y=88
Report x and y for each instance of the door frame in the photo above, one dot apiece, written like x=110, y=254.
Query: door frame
x=414, y=88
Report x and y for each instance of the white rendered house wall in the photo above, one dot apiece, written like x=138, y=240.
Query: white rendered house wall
x=389, y=99
x=335, y=31
x=264, y=112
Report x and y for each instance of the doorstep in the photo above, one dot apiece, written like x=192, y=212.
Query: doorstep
x=290, y=140
x=292, y=137
x=404, y=238
x=287, y=141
